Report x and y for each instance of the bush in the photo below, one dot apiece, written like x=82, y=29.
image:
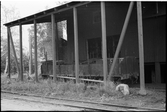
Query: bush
x=48, y=87
x=81, y=87
x=108, y=90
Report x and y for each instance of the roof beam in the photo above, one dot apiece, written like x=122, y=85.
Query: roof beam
x=32, y=18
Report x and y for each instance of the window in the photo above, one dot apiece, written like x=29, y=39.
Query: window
x=150, y=9
x=161, y=8
x=112, y=43
x=95, y=47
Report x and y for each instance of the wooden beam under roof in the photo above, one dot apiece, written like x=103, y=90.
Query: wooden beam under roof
x=30, y=19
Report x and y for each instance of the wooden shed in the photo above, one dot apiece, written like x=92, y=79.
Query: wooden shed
x=105, y=31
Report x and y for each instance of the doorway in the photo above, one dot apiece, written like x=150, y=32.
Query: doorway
x=163, y=72
x=149, y=69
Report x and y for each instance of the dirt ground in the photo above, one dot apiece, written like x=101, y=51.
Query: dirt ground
x=20, y=105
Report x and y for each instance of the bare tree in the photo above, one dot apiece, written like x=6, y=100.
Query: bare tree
x=7, y=15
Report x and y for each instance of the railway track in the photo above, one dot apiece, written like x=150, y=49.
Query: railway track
x=86, y=105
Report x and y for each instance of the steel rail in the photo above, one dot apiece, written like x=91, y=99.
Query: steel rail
x=89, y=102
x=69, y=103
x=47, y=102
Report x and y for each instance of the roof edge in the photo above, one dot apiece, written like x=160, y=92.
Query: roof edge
x=44, y=13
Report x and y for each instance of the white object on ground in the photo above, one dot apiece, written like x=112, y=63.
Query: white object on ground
x=124, y=88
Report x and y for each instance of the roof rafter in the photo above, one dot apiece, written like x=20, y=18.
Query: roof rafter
x=40, y=15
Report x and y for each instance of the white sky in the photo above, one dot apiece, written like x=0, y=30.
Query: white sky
x=26, y=8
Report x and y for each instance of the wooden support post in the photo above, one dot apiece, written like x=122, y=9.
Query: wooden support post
x=104, y=43
x=76, y=44
x=8, y=52
x=14, y=52
x=141, y=51
x=21, y=54
x=121, y=39
x=57, y=41
x=35, y=49
x=30, y=56
x=54, y=46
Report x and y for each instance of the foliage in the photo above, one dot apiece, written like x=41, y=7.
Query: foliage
x=78, y=91
x=44, y=33
x=44, y=36
x=4, y=52
x=8, y=14
x=109, y=90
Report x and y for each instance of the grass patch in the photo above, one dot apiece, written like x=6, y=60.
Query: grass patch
x=48, y=87
x=91, y=92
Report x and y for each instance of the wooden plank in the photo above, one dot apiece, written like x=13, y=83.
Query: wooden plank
x=90, y=80
x=73, y=78
x=76, y=44
x=141, y=51
x=35, y=49
x=121, y=39
x=104, y=43
x=21, y=55
x=66, y=77
x=54, y=46
x=8, y=52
